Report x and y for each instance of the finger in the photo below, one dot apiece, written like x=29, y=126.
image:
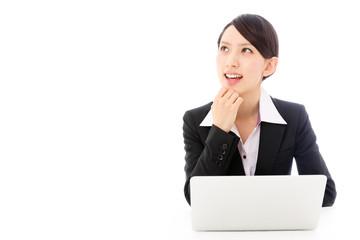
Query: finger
x=238, y=101
x=221, y=92
x=228, y=94
x=234, y=97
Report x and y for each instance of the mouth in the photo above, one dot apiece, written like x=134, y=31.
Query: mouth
x=233, y=78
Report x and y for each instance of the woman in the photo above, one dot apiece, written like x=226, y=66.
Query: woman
x=244, y=131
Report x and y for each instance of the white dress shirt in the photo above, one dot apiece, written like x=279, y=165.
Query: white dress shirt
x=250, y=149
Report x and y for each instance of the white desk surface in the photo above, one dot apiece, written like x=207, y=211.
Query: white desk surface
x=139, y=211
x=335, y=223
x=146, y=216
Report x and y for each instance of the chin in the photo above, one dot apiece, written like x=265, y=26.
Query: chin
x=234, y=87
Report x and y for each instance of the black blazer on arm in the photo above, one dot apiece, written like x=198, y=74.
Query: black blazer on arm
x=210, y=151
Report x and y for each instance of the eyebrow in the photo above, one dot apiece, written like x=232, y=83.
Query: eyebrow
x=240, y=44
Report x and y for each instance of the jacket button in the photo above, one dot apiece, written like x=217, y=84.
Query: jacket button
x=222, y=151
x=220, y=157
x=224, y=146
x=218, y=163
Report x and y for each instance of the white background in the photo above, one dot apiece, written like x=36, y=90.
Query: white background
x=92, y=95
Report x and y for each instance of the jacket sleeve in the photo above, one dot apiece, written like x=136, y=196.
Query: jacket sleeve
x=308, y=157
x=209, y=158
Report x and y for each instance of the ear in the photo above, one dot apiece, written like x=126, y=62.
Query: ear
x=271, y=65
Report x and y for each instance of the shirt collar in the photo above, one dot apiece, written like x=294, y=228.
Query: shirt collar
x=268, y=113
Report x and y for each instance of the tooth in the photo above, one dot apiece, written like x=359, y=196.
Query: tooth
x=233, y=76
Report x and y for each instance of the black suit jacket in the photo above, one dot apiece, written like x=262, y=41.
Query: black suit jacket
x=210, y=151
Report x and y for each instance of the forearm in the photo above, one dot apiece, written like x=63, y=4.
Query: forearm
x=214, y=158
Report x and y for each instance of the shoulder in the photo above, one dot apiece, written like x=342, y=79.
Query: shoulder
x=282, y=105
x=197, y=114
x=290, y=111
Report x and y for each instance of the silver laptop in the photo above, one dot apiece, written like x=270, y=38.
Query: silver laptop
x=221, y=203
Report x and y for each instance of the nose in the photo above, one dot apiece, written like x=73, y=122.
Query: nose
x=232, y=61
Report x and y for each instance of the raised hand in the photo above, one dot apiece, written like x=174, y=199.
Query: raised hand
x=225, y=107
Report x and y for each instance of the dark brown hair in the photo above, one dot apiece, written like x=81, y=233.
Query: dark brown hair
x=258, y=31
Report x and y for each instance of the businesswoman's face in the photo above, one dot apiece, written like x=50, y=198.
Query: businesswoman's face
x=240, y=66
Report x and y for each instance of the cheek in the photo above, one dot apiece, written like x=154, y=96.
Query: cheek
x=219, y=65
x=254, y=66
x=218, y=61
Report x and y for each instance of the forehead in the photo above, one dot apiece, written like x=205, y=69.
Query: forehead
x=232, y=36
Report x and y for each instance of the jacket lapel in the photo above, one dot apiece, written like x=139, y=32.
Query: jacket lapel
x=271, y=136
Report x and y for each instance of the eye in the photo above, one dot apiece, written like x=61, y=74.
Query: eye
x=246, y=50
x=224, y=49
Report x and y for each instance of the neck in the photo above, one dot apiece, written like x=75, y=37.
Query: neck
x=250, y=107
